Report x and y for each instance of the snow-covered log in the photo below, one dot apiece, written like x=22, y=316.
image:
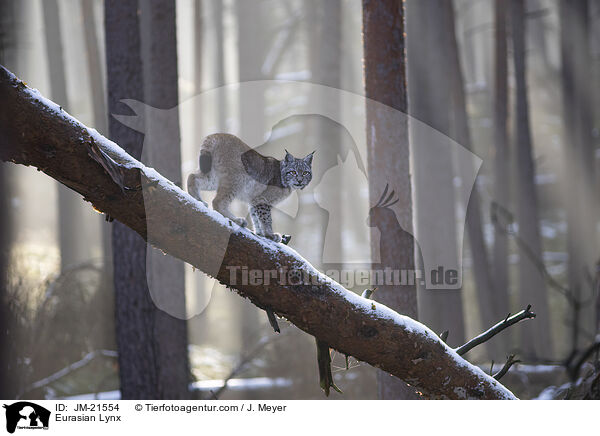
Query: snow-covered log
x=36, y=132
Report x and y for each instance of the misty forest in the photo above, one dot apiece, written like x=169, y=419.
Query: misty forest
x=437, y=234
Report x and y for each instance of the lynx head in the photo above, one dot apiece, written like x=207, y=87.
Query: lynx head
x=296, y=173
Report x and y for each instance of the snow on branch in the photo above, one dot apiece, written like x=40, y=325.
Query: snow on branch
x=34, y=131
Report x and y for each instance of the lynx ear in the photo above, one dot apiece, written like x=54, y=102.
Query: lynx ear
x=308, y=159
x=288, y=156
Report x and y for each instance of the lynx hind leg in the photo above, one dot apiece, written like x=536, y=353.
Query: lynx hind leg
x=222, y=202
x=262, y=212
x=198, y=182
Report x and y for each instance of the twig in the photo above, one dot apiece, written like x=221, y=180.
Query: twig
x=262, y=343
x=509, y=362
x=368, y=293
x=444, y=335
x=571, y=295
x=493, y=331
x=68, y=369
x=574, y=369
x=496, y=211
x=273, y=320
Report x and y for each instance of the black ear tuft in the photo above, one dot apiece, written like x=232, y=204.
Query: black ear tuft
x=308, y=159
x=288, y=156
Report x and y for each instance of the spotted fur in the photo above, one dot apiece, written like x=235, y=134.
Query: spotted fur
x=235, y=171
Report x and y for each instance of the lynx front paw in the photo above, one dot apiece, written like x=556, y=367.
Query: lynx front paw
x=273, y=237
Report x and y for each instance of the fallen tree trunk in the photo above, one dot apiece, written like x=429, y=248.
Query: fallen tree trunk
x=36, y=132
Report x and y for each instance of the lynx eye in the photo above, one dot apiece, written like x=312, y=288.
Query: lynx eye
x=305, y=173
x=292, y=173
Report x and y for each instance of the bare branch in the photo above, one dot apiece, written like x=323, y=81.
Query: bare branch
x=273, y=320
x=246, y=359
x=493, y=331
x=444, y=335
x=574, y=367
x=68, y=370
x=510, y=361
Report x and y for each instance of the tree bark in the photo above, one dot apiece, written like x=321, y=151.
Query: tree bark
x=98, y=89
x=532, y=288
x=143, y=331
x=67, y=201
x=389, y=163
x=34, y=131
x=198, y=41
x=492, y=300
x=7, y=373
x=325, y=34
x=219, y=63
x=251, y=42
x=8, y=370
x=501, y=153
x=578, y=155
x=166, y=275
x=430, y=103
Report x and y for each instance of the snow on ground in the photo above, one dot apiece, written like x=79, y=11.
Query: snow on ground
x=234, y=384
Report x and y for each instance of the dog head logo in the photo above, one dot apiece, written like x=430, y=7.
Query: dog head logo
x=26, y=415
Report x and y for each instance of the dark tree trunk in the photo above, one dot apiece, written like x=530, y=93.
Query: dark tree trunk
x=198, y=38
x=98, y=89
x=251, y=46
x=68, y=222
x=579, y=156
x=94, y=63
x=389, y=161
x=219, y=62
x=430, y=102
x=8, y=374
x=501, y=154
x=325, y=34
x=492, y=301
x=145, y=335
x=532, y=288
x=162, y=144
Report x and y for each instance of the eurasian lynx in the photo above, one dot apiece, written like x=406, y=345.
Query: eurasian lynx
x=235, y=171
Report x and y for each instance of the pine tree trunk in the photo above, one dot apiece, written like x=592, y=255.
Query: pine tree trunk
x=430, y=103
x=219, y=64
x=198, y=40
x=144, y=333
x=67, y=200
x=532, y=287
x=166, y=275
x=251, y=45
x=579, y=158
x=7, y=376
x=8, y=371
x=501, y=155
x=98, y=89
x=325, y=36
x=389, y=161
x=492, y=301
